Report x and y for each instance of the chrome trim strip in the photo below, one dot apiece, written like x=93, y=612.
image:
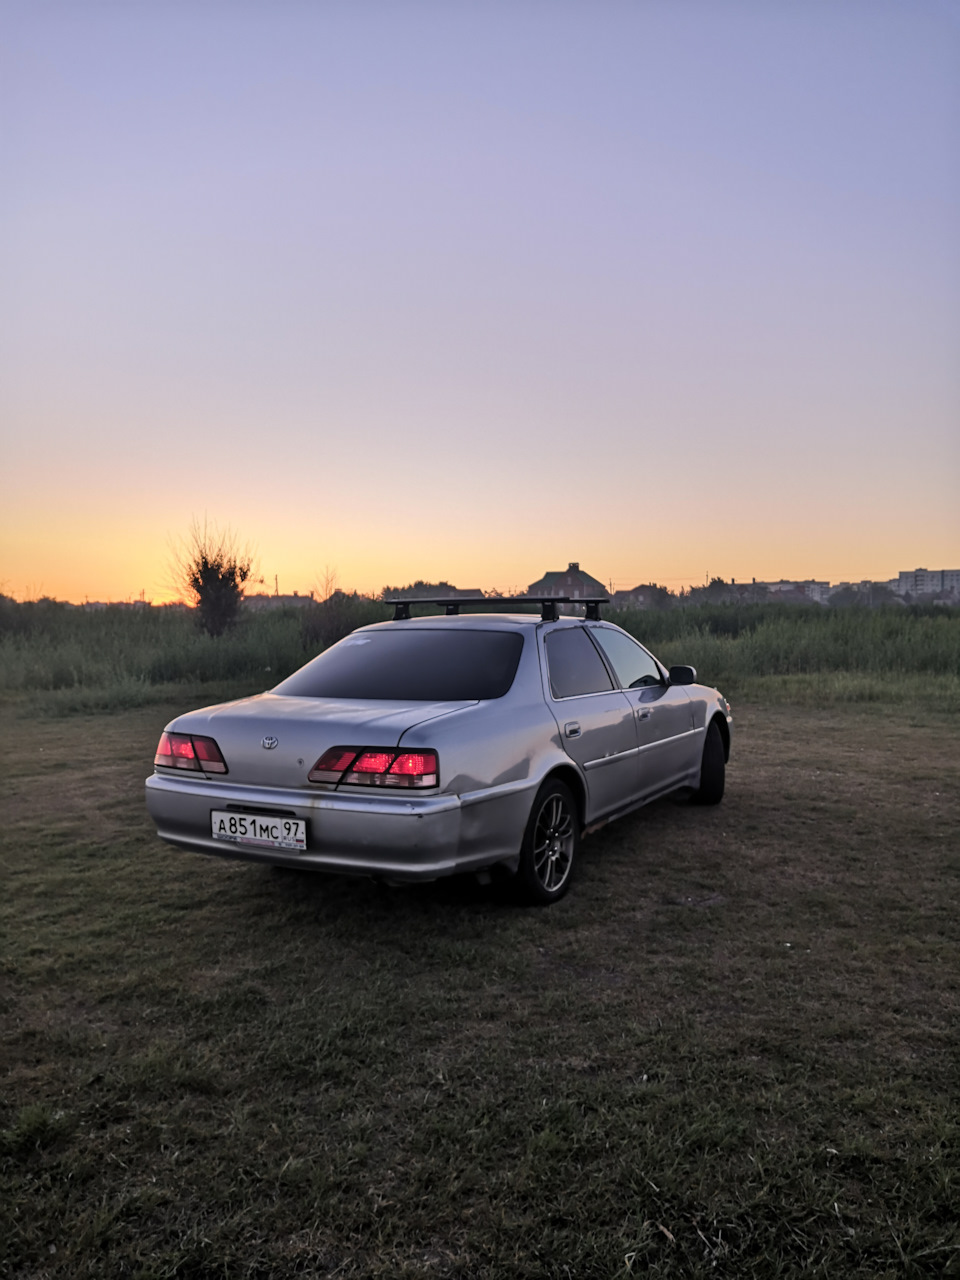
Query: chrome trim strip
x=677, y=737
x=600, y=693
x=612, y=759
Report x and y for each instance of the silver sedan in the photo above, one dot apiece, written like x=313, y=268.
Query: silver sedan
x=427, y=746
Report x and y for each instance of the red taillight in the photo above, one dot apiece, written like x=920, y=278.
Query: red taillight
x=415, y=764
x=175, y=751
x=208, y=753
x=376, y=767
x=373, y=762
x=181, y=751
x=332, y=764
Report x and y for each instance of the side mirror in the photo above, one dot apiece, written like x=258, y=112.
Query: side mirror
x=683, y=675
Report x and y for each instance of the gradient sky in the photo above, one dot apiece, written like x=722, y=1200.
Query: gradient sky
x=470, y=290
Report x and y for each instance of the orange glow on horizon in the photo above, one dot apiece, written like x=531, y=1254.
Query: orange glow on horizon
x=126, y=563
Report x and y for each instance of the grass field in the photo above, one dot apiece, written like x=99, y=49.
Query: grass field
x=732, y=1051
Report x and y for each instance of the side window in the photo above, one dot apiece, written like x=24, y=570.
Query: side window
x=574, y=665
x=634, y=666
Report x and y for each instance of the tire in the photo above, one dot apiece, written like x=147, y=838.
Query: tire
x=551, y=846
x=712, y=768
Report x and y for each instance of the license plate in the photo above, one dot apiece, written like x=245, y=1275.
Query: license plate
x=264, y=830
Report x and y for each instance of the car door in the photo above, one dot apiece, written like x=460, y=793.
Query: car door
x=596, y=719
x=669, y=746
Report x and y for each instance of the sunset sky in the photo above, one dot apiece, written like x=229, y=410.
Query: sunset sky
x=470, y=290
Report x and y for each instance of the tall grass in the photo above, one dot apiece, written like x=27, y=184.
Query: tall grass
x=734, y=642
x=50, y=646
x=65, y=649
x=121, y=656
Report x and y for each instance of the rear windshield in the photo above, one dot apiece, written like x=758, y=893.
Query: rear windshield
x=411, y=666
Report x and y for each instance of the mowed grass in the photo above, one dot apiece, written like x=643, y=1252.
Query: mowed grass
x=732, y=1051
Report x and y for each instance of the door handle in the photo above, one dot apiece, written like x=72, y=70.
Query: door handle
x=572, y=729
x=643, y=715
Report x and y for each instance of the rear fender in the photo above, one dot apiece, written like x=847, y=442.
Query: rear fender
x=568, y=775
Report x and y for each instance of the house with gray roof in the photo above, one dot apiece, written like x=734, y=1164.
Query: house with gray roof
x=572, y=582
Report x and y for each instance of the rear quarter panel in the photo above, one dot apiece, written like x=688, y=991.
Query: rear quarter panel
x=494, y=755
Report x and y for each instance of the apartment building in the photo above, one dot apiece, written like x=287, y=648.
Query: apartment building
x=928, y=582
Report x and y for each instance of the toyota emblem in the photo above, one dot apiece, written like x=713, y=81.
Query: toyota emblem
x=269, y=743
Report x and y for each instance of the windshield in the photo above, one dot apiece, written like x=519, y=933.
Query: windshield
x=409, y=665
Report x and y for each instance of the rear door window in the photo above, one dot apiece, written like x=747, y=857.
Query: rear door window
x=574, y=665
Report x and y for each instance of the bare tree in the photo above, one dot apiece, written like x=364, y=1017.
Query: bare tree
x=328, y=583
x=210, y=568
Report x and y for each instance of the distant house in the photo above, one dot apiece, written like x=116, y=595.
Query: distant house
x=646, y=596
x=259, y=602
x=636, y=598
x=803, y=592
x=96, y=606
x=572, y=582
x=786, y=591
x=420, y=590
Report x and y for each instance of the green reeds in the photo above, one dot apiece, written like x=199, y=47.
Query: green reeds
x=74, y=659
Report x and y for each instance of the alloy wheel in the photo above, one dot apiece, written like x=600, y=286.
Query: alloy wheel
x=554, y=842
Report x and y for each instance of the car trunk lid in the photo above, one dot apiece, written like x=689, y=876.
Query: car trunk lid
x=271, y=740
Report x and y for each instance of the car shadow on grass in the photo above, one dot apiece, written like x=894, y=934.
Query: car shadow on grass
x=491, y=892
x=365, y=893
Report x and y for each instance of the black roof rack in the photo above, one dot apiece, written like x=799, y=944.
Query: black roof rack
x=548, y=604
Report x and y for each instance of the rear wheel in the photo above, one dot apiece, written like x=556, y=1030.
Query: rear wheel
x=551, y=845
x=712, y=768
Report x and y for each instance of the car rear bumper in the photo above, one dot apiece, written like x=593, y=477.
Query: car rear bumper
x=394, y=837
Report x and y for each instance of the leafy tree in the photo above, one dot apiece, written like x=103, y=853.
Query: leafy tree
x=329, y=620
x=845, y=598
x=715, y=592
x=211, y=569
x=661, y=597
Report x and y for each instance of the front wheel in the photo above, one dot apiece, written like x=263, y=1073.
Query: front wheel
x=712, y=768
x=551, y=845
